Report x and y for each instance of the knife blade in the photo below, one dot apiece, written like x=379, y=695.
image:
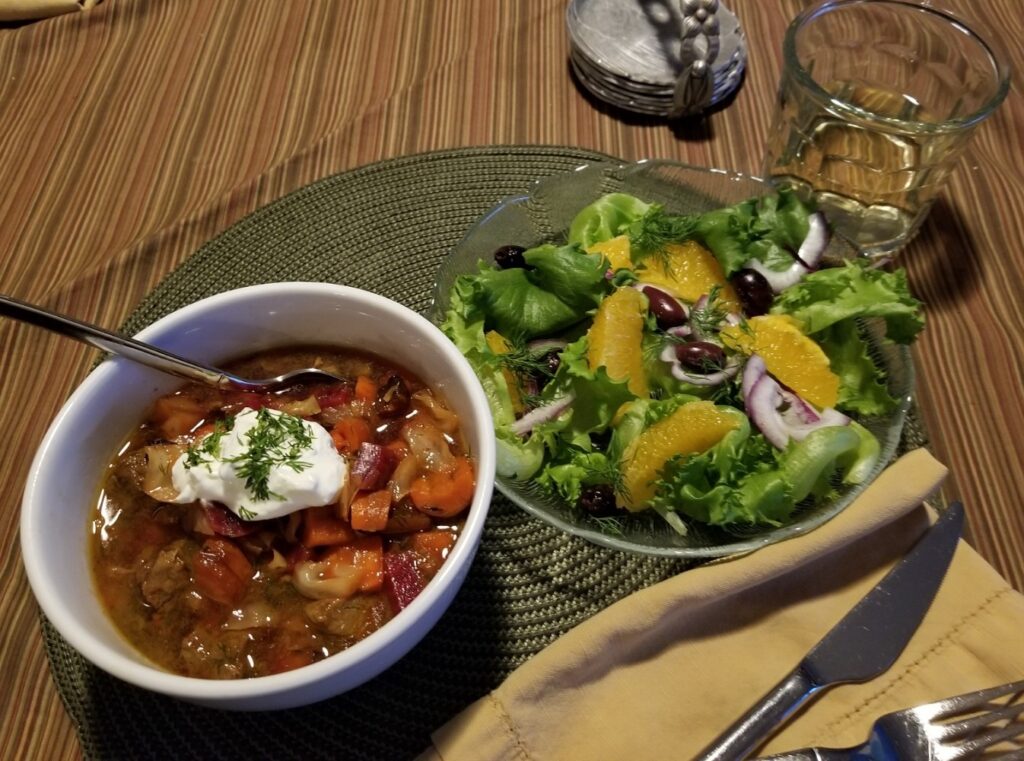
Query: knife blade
x=864, y=644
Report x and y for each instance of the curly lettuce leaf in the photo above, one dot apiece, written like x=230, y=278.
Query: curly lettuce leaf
x=560, y=287
x=605, y=218
x=742, y=480
x=831, y=295
x=862, y=387
x=584, y=468
x=766, y=228
x=464, y=326
x=597, y=396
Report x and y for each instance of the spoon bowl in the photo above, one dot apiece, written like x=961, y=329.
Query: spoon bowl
x=150, y=355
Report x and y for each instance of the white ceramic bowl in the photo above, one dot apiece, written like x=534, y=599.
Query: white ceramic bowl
x=65, y=476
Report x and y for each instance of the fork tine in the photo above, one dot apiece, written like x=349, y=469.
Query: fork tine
x=961, y=703
x=977, y=743
x=980, y=720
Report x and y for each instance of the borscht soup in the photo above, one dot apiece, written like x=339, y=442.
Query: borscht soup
x=241, y=534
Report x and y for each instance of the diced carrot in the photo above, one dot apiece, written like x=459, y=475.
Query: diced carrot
x=221, y=571
x=370, y=510
x=366, y=389
x=445, y=493
x=177, y=415
x=322, y=527
x=366, y=555
x=349, y=433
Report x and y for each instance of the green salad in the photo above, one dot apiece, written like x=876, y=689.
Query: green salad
x=709, y=367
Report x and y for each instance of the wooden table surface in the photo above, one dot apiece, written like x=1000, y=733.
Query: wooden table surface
x=132, y=133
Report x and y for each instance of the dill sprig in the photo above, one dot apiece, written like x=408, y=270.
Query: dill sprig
x=649, y=235
x=708, y=319
x=521, y=362
x=209, y=448
x=274, y=440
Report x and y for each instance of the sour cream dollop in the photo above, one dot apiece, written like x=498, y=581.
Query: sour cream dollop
x=303, y=468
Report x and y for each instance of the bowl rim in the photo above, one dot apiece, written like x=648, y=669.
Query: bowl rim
x=740, y=546
x=149, y=675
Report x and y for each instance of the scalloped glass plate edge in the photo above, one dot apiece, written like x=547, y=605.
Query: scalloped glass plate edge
x=543, y=213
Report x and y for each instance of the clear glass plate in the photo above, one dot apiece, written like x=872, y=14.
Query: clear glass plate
x=543, y=215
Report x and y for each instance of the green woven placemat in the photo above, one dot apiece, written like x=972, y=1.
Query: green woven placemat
x=385, y=228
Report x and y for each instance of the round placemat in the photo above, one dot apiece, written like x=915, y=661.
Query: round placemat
x=385, y=228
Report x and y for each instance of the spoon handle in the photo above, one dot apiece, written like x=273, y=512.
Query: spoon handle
x=113, y=343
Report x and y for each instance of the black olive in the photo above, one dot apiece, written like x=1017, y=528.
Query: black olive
x=754, y=292
x=598, y=500
x=668, y=312
x=510, y=257
x=393, y=398
x=701, y=356
x=551, y=361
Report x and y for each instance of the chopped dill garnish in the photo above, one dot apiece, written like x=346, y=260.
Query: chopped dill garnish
x=209, y=447
x=245, y=513
x=274, y=440
x=649, y=235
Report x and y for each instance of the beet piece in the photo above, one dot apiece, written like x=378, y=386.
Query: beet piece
x=402, y=581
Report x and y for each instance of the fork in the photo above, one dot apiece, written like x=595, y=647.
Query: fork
x=960, y=727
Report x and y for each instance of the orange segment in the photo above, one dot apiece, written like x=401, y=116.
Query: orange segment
x=693, y=428
x=689, y=271
x=615, y=250
x=613, y=341
x=790, y=356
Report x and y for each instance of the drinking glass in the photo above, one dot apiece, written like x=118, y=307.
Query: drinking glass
x=877, y=101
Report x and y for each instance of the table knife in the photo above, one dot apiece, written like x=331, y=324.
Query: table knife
x=864, y=644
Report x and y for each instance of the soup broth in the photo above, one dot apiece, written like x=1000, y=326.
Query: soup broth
x=205, y=592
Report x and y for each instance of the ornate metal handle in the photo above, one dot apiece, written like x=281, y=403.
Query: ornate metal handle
x=695, y=85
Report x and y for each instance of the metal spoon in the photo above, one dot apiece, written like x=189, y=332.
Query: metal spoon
x=149, y=355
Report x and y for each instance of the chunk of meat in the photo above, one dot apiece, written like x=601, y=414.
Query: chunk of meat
x=167, y=576
x=353, y=618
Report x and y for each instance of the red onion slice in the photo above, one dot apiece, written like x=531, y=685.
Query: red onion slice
x=779, y=281
x=816, y=242
x=541, y=414
x=780, y=414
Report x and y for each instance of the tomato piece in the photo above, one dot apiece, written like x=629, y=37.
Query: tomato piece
x=221, y=571
x=333, y=396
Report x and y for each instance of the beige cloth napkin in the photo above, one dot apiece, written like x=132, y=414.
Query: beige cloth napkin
x=661, y=673
x=25, y=10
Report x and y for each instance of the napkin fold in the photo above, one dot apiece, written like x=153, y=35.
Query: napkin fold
x=662, y=672
x=27, y=10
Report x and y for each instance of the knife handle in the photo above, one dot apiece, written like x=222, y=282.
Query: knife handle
x=756, y=724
